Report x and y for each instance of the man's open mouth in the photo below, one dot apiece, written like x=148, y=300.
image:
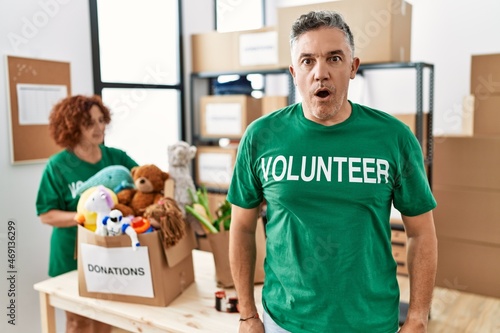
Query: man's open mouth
x=322, y=93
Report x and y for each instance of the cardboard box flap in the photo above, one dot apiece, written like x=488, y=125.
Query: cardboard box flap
x=181, y=250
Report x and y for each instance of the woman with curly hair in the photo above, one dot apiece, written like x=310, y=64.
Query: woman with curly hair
x=77, y=124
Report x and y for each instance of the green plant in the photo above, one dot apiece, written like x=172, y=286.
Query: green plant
x=200, y=209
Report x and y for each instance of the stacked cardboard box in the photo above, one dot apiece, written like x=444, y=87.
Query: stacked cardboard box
x=381, y=28
x=467, y=188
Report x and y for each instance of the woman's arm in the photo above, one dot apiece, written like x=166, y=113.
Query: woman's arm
x=59, y=218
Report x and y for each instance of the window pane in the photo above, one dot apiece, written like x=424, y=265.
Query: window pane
x=237, y=15
x=138, y=41
x=144, y=123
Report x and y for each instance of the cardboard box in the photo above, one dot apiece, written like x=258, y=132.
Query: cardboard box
x=467, y=161
x=411, y=121
x=108, y=268
x=235, y=51
x=487, y=115
x=468, y=266
x=227, y=116
x=273, y=103
x=214, y=166
x=219, y=244
x=485, y=75
x=468, y=214
x=381, y=28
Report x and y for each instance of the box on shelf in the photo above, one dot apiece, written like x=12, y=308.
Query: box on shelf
x=108, y=268
x=468, y=266
x=381, y=28
x=273, y=103
x=487, y=114
x=468, y=214
x=467, y=161
x=235, y=51
x=214, y=166
x=227, y=116
x=485, y=75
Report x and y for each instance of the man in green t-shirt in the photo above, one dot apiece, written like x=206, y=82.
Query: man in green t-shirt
x=329, y=172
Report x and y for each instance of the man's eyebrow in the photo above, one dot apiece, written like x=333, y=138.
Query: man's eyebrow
x=334, y=52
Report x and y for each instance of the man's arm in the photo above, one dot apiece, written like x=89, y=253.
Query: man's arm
x=422, y=265
x=242, y=253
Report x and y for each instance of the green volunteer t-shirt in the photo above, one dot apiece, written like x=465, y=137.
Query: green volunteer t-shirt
x=329, y=189
x=62, y=176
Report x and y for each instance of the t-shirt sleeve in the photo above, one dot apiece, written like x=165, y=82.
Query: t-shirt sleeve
x=49, y=195
x=245, y=189
x=412, y=193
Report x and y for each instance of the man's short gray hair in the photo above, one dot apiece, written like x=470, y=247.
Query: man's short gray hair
x=318, y=19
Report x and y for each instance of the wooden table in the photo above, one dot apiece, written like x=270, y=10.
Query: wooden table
x=452, y=311
x=193, y=311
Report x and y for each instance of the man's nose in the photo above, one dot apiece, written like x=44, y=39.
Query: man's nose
x=321, y=71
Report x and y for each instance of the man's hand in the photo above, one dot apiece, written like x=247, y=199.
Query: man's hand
x=251, y=326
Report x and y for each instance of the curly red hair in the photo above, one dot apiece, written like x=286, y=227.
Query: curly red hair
x=69, y=114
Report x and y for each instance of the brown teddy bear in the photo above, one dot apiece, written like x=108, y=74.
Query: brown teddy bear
x=149, y=181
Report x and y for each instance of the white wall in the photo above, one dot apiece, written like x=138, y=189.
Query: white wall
x=445, y=33
x=47, y=29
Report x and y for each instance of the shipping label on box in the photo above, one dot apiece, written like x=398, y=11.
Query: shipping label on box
x=259, y=48
x=120, y=270
x=227, y=116
x=214, y=166
x=223, y=119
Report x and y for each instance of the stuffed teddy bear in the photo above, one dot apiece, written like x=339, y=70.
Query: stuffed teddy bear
x=149, y=181
x=180, y=155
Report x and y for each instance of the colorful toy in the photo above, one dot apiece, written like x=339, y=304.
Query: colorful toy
x=101, y=202
x=116, y=224
x=149, y=181
x=141, y=225
x=114, y=177
x=180, y=155
x=167, y=217
x=85, y=217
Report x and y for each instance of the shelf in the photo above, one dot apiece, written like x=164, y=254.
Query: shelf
x=201, y=83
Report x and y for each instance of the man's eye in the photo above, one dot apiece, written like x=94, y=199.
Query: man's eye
x=335, y=58
x=306, y=61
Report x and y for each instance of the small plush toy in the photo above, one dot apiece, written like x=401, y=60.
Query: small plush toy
x=167, y=217
x=116, y=225
x=86, y=217
x=180, y=155
x=101, y=202
x=114, y=177
x=149, y=181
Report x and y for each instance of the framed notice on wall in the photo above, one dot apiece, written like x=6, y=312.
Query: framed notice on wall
x=34, y=87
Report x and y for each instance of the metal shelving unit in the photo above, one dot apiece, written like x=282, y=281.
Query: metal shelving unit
x=202, y=84
x=419, y=68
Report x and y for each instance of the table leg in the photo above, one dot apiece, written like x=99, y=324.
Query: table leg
x=47, y=314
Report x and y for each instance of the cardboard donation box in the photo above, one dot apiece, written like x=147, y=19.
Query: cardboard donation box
x=381, y=28
x=228, y=116
x=108, y=268
x=219, y=244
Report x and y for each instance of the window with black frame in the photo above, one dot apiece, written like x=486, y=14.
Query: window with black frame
x=136, y=51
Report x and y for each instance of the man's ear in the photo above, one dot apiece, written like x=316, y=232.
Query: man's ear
x=292, y=72
x=354, y=67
